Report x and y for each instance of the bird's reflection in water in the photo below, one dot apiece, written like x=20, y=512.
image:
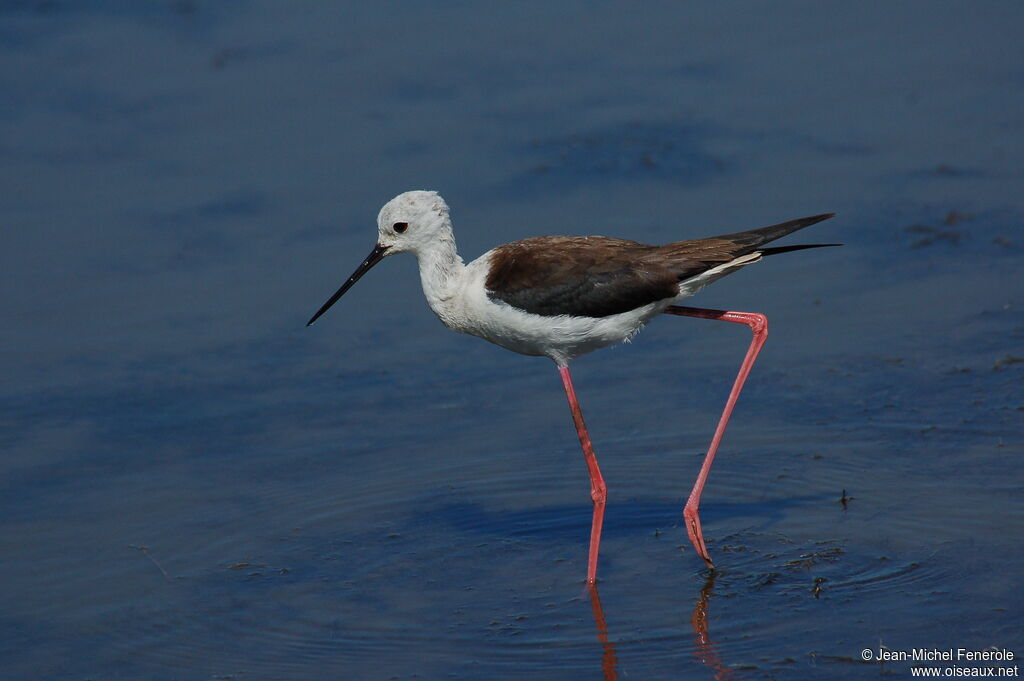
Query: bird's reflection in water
x=608, y=659
x=705, y=651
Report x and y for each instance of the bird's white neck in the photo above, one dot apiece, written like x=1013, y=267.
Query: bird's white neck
x=441, y=273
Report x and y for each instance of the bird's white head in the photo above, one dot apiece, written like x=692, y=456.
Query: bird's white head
x=413, y=222
x=416, y=222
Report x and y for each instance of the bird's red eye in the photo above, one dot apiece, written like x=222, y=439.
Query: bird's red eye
x=400, y=226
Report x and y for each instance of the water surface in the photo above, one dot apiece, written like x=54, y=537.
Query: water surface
x=194, y=485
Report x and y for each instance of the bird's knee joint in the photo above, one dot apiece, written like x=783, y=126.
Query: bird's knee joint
x=758, y=323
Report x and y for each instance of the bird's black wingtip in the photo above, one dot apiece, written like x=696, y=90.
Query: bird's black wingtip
x=775, y=250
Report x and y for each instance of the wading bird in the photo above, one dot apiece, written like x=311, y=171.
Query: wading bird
x=564, y=296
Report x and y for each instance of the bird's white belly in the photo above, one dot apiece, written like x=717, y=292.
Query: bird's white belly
x=560, y=337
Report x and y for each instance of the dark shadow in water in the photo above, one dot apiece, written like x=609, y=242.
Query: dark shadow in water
x=608, y=659
x=625, y=517
x=706, y=652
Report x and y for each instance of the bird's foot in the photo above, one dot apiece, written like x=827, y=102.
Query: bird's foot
x=693, y=529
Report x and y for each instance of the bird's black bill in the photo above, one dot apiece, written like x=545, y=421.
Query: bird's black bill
x=376, y=255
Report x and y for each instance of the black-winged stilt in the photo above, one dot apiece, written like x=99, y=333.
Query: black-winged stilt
x=564, y=296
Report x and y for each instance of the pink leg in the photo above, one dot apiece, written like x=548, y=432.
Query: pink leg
x=598, y=490
x=758, y=323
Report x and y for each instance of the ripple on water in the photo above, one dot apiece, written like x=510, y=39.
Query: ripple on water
x=472, y=567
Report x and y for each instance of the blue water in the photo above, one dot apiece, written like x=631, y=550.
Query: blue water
x=193, y=485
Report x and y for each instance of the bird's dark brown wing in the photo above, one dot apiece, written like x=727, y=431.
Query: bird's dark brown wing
x=578, y=276
x=688, y=259
x=599, y=276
